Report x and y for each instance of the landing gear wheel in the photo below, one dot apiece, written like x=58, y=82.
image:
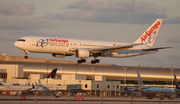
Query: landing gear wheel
x=26, y=54
x=95, y=61
x=79, y=61
x=84, y=60
x=26, y=57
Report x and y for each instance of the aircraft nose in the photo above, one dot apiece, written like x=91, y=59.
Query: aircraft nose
x=16, y=44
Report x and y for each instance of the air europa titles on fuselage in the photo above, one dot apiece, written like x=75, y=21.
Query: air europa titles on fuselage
x=58, y=40
x=150, y=31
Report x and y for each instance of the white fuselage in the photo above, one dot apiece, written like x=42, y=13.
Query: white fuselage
x=14, y=88
x=63, y=46
x=20, y=88
x=151, y=92
x=159, y=90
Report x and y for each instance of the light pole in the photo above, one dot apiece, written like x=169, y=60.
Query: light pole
x=172, y=69
x=92, y=72
x=125, y=75
x=102, y=95
x=47, y=71
x=132, y=93
x=76, y=68
x=61, y=70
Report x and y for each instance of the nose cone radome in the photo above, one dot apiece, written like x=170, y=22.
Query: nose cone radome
x=16, y=44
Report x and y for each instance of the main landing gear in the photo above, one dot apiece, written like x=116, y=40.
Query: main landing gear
x=81, y=61
x=92, y=61
x=26, y=55
x=95, y=61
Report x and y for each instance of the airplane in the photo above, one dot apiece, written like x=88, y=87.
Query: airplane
x=151, y=92
x=177, y=89
x=16, y=87
x=62, y=47
x=53, y=73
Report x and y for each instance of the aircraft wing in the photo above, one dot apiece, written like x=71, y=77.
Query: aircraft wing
x=154, y=49
x=114, y=48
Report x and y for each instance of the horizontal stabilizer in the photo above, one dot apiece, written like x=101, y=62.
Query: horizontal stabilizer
x=153, y=49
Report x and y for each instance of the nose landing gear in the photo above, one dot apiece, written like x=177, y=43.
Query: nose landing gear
x=26, y=55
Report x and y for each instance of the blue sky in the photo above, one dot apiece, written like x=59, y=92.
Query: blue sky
x=111, y=20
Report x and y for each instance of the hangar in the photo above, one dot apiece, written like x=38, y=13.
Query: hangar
x=127, y=74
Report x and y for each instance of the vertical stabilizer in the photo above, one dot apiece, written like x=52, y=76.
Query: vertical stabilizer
x=149, y=36
x=176, y=82
x=53, y=73
x=140, y=82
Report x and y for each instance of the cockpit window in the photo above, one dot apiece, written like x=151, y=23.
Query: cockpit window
x=21, y=40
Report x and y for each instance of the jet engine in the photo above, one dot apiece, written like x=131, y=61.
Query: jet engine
x=82, y=53
x=171, y=96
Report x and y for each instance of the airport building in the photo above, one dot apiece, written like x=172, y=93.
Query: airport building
x=73, y=83
x=90, y=77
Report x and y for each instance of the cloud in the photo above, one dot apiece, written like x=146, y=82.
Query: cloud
x=77, y=15
x=24, y=24
x=48, y=16
x=116, y=6
x=173, y=20
x=7, y=35
x=113, y=11
x=174, y=57
x=17, y=9
x=173, y=40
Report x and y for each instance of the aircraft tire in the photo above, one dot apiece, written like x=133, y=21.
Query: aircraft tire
x=79, y=61
x=26, y=57
x=149, y=97
x=84, y=60
x=97, y=60
x=93, y=62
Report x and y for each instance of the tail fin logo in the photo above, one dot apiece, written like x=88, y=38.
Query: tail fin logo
x=152, y=37
x=139, y=82
x=150, y=34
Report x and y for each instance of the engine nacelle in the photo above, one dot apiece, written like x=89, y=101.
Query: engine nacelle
x=172, y=96
x=82, y=53
x=58, y=55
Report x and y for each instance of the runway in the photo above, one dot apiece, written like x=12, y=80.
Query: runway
x=86, y=100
